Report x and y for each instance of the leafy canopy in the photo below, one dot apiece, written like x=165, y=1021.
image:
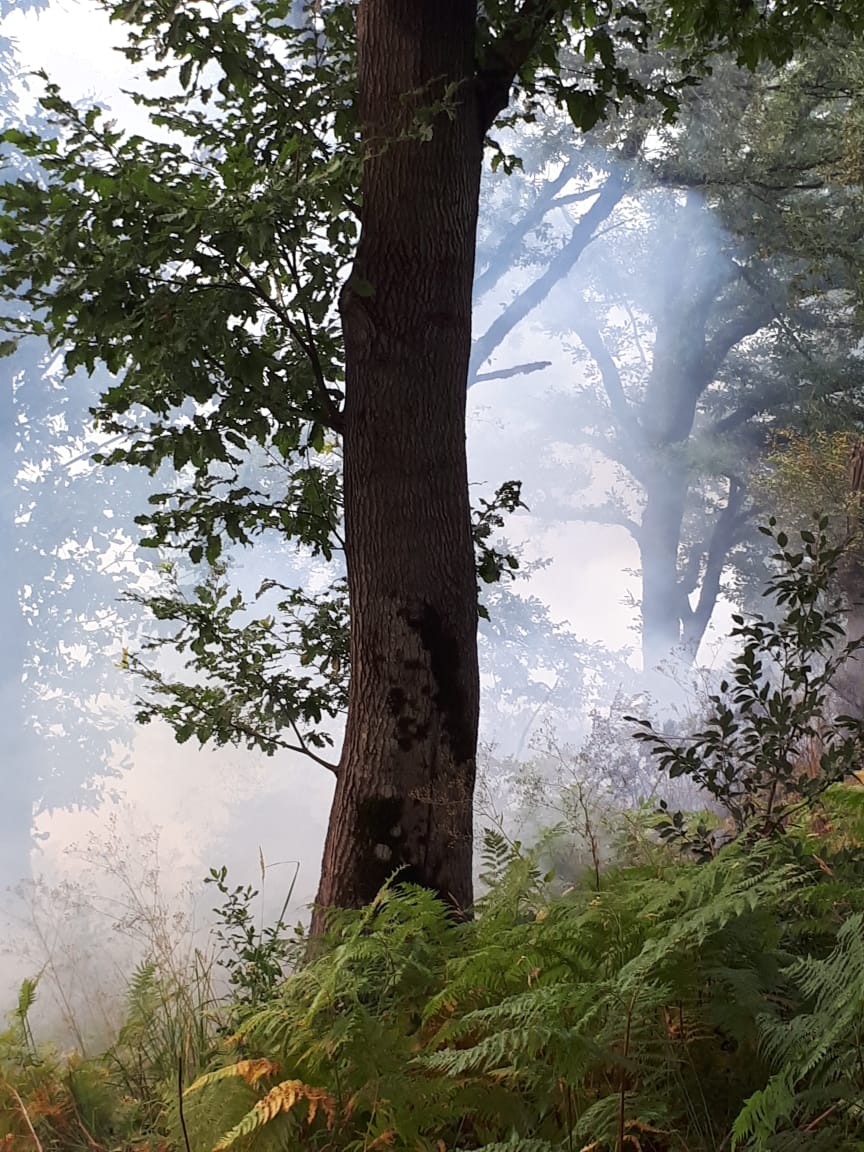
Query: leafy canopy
x=201, y=264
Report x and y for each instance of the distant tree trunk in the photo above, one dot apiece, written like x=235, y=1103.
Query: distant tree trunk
x=849, y=684
x=660, y=538
x=404, y=794
x=677, y=380
x=701, y=312
x=16, y=782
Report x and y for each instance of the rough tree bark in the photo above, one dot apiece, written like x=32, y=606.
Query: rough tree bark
x=406, y=777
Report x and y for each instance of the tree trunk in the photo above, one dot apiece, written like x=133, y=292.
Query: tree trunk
x=660, y=537
x=849, y=681
x=404, y=794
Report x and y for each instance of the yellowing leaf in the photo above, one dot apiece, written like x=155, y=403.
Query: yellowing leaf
x=249, y=1070
x=282, y=1098
x=382, y=1141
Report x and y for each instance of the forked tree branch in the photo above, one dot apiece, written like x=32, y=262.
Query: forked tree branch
x=595, y=345
x=507, y=54
x=558, y=268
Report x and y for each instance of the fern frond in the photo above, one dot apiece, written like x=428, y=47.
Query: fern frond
x=251, y=1071
x=26, y=998
x=281, y=1098
x=765, y=1109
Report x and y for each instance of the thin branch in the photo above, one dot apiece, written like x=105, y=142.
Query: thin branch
x=595, y=345
x=303, y=747
x=611, y=515
x=814, y=1124
x=264, y=738
x=333, y=418
x=311, y=350
x=517, y=370
x=637, y=340
x=27, y=1119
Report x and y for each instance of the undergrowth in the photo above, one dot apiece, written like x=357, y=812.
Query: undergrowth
x=685, y=1005
x=702, y=990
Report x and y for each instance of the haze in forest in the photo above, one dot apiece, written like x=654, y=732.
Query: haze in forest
x=238, y=807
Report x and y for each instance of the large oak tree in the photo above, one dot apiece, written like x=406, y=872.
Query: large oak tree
x=711, y=269
x=301, y=161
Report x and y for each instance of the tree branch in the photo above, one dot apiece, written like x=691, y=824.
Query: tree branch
x=304, y=748
x=558, y=268
x=517, y=370
x=616, y=452
x=506, y=55
x=747, y=410
x=610, y=514
x=722, y=538
x=733, y=332
x=734, y=419
x=544, y=204
x=595, y=345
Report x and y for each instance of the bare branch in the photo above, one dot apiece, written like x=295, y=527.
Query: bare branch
x=612, y=515
x=595, y=345
x=517, y=370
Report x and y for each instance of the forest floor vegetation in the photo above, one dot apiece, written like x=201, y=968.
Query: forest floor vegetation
x=696, y=987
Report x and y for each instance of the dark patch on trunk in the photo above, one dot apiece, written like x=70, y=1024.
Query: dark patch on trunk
x=409, y=731
x=397, y=700
x=388, y=823
x=445, y=666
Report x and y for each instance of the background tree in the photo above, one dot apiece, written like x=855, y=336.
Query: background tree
x=713, y=270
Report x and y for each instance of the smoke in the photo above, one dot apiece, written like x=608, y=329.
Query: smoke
x=550, y=424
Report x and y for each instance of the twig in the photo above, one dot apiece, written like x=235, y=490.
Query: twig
x=180, y=1103
x=27, y=1119
x=823, y=1116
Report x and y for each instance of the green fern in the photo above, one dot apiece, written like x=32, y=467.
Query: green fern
x=764, y=1112
x=818, y=1049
